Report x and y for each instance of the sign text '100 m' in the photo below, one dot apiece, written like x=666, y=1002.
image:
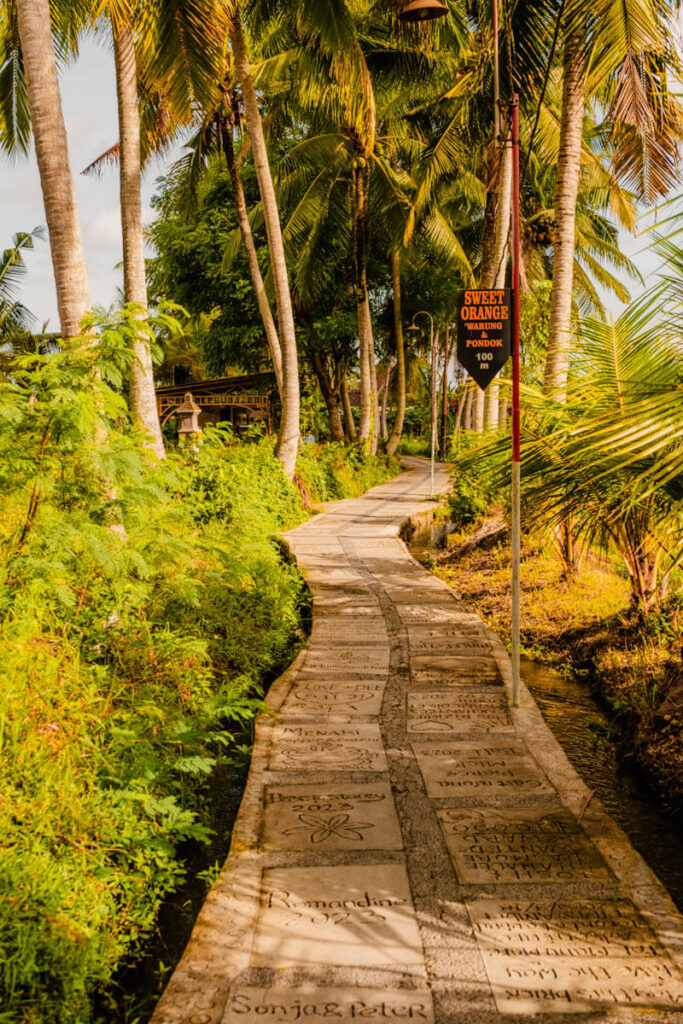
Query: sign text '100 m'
x=484, y=332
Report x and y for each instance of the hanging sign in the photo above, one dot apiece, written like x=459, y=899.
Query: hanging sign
x=484, y=332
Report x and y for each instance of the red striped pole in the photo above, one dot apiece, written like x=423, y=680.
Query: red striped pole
x=516, y=471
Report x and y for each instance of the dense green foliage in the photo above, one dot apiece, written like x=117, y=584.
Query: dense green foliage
x=226, y=329
x=143, y=607
x=333, y=471
x=607, y=465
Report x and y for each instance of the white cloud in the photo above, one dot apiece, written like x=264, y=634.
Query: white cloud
x=103, y=233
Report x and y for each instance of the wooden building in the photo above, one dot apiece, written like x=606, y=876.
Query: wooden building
x=240, y=401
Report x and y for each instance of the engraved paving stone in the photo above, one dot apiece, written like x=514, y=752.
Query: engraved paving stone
x=248, y=1005
x=347, y=629
x=445, y=670
x=331, y=817
x=345, y=698
x=457, y=646
x=482, y=769
x=565, y=956
x=457, y=713
x=329, y=748
x=351, y=658
x=445, y=612
x=343, y=916
x=471, y=631
x=528, y=845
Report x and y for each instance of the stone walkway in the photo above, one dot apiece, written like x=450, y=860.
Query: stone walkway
x=408, y=846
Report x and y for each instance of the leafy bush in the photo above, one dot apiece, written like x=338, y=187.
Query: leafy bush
x=414, y=446
x=143, y=607
x=333, y=471
x=467, y=501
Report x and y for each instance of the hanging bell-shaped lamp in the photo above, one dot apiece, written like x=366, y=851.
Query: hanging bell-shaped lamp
x=423, y=10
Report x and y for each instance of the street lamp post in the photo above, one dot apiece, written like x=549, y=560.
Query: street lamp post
x=432, y=345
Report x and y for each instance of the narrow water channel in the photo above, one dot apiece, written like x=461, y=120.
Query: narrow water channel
x=582, y=727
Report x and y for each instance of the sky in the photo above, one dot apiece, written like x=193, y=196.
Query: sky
x=89, y=102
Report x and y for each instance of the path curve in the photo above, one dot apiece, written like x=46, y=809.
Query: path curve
x=408, y=846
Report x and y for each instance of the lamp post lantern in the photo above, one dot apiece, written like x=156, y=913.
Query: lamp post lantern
x=423, y=10
x=432, y=345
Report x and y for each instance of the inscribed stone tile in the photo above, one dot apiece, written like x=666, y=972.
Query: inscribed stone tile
x=360, y=698
x=336, y=748
x=523, y=845
x=331, y=817
x=488, y=768
x=343, y=916
x=565, y=956
x=446, y=670
x=352, y=657
x=324, y=609
x=420, y=595
x=449, y=712
x=313, y=1003
x=448, y=615
x=348, y=628
x=331, y=677
x=473, y=630
x=456, y=646
x=445, y=612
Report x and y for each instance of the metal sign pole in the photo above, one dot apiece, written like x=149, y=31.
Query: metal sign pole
x=516, y=471
x=434, y=393
x=496, y=72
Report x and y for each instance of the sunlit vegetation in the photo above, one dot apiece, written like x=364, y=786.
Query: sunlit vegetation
x=339, y=173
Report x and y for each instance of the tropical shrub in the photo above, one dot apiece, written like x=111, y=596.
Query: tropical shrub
x=333, y=471
x=143, y=606
x=467, y=500
x=607, y=465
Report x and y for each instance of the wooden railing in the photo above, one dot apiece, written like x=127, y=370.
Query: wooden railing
x=170, y=401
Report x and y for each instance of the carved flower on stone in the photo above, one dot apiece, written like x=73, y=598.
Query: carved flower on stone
x=320, y=829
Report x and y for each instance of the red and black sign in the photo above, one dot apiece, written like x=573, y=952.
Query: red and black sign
x=484, y=332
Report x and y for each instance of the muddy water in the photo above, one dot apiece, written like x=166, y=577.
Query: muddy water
x=582, y=727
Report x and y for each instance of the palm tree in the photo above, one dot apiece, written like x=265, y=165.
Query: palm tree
x=609, y=460
x=142, y=392
x=618, y=55
x=397, y=428
x=214, y=138
x=288, y=440
x=566, y=195
x=52, y=152
x=15, y=319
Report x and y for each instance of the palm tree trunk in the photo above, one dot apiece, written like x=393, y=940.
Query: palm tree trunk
x=385, y=403
x=467, y=411
x=478, y=411
x=375, y=392
x=142, y=393
x=365, y=427
x=444, y=393
x=366, y=342
x=397, y=429
x=566, y=194
x=349, y=424
x=56, y=179
x=330, y=393
x=252, y=256
x=288, y=440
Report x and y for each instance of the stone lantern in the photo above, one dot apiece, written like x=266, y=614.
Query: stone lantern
x=189, y=430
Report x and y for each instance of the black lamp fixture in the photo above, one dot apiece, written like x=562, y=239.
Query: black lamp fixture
x=423, y=10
